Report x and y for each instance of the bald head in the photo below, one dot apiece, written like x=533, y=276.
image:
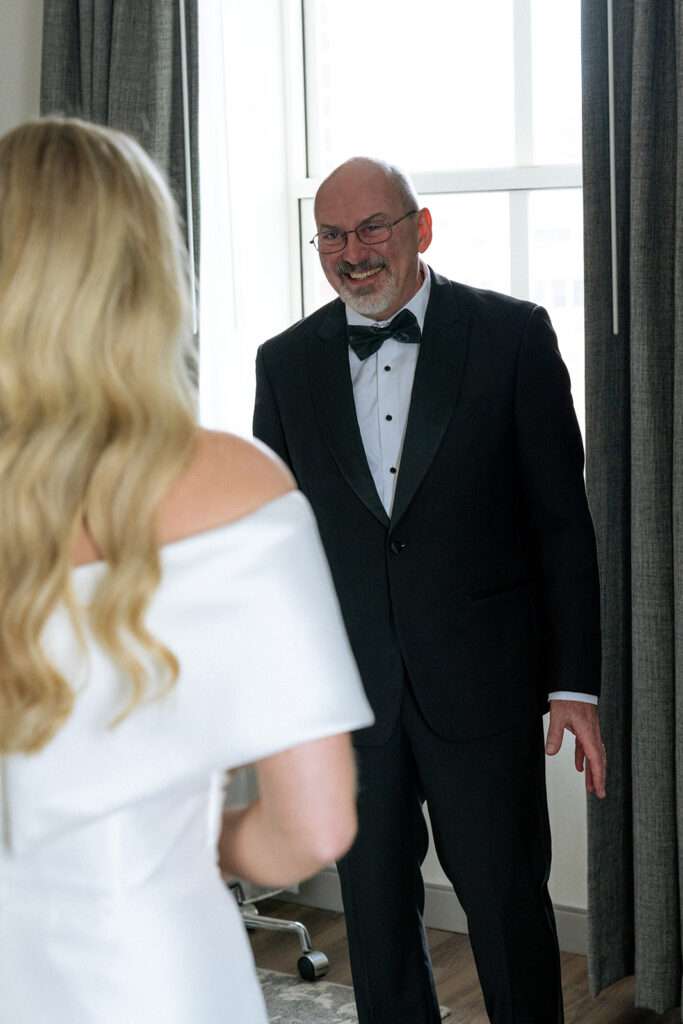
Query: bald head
x=361, y=170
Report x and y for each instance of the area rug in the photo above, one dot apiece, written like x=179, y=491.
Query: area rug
x=292, y=1001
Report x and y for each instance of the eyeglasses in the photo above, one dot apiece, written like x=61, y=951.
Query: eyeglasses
x=372, y=233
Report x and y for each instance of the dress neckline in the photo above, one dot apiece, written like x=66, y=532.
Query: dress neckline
x=175, y=545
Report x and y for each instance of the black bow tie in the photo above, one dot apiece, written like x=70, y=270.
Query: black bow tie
x=366, y=340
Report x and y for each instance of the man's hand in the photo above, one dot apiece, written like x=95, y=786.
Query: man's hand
x=581, y=719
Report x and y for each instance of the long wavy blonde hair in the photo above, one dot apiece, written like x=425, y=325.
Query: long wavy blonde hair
x=96, y=411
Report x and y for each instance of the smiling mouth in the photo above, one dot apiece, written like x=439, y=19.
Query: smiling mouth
x=360, y=272
x=362, y=275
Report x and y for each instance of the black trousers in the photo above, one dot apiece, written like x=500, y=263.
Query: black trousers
x=488, y=808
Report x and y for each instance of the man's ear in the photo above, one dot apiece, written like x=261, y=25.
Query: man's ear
x=424, y=229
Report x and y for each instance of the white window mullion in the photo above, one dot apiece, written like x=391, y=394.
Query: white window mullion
x=519, y=244
x=317, y=85
x=498, y=179
x=294, y=86
x=490, y=179
x=524, y=108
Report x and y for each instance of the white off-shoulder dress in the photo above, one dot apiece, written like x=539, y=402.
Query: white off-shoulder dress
x=112, y=910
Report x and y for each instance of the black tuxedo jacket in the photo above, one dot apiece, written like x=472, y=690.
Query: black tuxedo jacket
x=483, y=585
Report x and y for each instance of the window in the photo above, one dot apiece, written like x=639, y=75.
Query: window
x=480, y=103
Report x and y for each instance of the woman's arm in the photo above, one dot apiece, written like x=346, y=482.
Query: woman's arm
x=303, y=818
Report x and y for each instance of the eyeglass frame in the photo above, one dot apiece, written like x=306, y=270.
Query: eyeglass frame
x=354, y=231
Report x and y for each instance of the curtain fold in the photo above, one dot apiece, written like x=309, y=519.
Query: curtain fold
x=634, y=418
x=118, y=63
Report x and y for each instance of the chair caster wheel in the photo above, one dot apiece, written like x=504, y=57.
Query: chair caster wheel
x=313, y=965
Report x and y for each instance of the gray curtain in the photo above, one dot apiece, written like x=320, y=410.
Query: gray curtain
x=118, y=63
x=634, y=417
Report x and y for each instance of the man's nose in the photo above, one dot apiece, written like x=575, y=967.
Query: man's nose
x=356, y=251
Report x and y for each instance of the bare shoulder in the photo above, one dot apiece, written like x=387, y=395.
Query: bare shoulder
x=254, y=471
x=226, y=478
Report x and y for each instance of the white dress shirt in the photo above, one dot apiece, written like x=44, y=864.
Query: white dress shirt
x=382, y=385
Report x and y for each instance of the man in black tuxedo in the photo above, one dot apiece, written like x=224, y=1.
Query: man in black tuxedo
x=444, y=463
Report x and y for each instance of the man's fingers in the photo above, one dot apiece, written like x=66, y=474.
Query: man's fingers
x=598, y=766
x=554, y=738
x=580, y=758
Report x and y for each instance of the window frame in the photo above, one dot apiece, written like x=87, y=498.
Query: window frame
x=517, y=180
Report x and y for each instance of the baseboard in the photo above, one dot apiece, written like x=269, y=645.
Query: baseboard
x=442, y=909
x=572, y=929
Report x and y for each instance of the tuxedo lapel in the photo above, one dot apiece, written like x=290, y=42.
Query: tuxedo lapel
x=435, y=391
x=332, y=391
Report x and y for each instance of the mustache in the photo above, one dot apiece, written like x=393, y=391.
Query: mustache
x=372, y=263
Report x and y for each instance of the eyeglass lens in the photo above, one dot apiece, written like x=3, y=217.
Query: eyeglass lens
x=368, y=234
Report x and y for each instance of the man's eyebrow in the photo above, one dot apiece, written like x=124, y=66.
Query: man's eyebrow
x=366, y=220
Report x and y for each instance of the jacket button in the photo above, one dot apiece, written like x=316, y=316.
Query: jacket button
x=396, y=546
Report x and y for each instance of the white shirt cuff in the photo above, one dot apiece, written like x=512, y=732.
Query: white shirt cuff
x=587, y=698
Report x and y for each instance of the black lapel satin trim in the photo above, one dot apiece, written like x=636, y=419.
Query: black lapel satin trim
x=436, y=387
x=332, y=391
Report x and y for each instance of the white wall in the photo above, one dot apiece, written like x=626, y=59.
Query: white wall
x=20, y=45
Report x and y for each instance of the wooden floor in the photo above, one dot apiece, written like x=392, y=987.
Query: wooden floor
x=456, y=979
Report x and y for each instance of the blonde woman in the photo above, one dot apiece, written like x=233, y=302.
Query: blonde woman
x=165, y=613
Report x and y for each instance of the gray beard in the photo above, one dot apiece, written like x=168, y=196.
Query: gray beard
x=373, y=301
